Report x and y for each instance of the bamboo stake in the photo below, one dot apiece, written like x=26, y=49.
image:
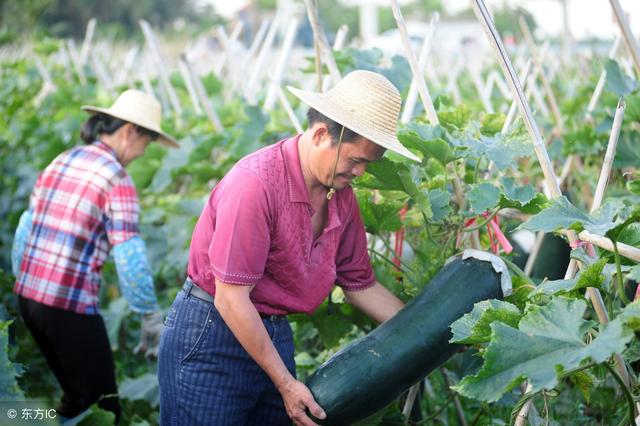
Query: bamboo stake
x=602, y=80
x=129, y=61
x=629, y=39
x=48, y=85
x=452, y=86
x=276, y=76
x=501, y=85
x=543, y=77
x=162, y=68
x=418, y=76
x=75, y=59
x=287, y=108
x=262, y=56
x=477, y=82
x=186, y=76
x=257, y=40
x=338, y=43
x=411, y=397
x=412, y=96
x=102, y=73
x=511, y=115
x=312, y=13
x=88, y=38
x=609, y=156
x=202, y=95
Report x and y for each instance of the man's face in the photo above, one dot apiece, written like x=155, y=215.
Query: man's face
x=353, y=158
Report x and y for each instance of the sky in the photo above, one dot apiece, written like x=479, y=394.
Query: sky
x=588, y=18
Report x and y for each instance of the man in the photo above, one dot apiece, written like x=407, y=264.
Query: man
x=275, y=235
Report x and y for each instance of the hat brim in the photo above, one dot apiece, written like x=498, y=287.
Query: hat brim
x=163, y=138
x=336, y=112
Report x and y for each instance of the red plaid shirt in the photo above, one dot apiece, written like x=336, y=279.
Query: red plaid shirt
x=83, y=203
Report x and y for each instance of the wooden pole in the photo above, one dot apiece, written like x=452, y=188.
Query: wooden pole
x=312, y=13
x=75, y=59
x=278, y=72
x=418, y=76
x=287, y=108
x=162, y=68
x=629, y=39
x=202, y=95
x=546, y=84
x=412, y=96
x=88, y=38
x=602, y=80
x=262, y=56
x=338, y=43
x=186, y=76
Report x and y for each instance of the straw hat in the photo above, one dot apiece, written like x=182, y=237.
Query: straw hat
x=365, y=102
x=140, y=109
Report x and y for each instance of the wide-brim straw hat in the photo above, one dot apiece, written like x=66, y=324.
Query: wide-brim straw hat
x=365, y=102
x=140, y=109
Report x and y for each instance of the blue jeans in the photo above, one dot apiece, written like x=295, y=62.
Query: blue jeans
x=207, y=378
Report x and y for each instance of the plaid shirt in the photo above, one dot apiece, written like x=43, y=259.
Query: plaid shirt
x=83, y=203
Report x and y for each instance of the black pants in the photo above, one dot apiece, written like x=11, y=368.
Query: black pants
x=77, y=349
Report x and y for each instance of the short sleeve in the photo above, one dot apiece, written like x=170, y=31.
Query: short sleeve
x=242, y=235
x=122, y=211
x=353, y=266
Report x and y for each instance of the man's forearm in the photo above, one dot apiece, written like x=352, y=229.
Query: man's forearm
x=376, y=302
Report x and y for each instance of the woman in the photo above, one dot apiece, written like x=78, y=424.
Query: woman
x=83, y=205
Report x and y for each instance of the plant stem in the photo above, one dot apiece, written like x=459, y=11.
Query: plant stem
x=386, y=259
x=483, y=224
x=624, y=388
x=621, y=292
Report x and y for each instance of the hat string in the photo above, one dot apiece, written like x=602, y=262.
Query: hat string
x=332, y=190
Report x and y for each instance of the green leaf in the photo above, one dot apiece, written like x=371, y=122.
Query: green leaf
x=590, y=276
x=144, y=388
x=520, y=194
x=440, y=203
x=524, y=198
x=437, y=149
x=331, y=327
x=455, y=119
x=492, y=123
x=634, y=186
x=94, y=416
x=584, y=381
x=9, y=388
x=483, y=197
x=548, y=338
x=617, y=81
x=410, y=182
x=503, y=150
x=561, y=214
x=381, y=217
x=383, y=174
x=475, y=327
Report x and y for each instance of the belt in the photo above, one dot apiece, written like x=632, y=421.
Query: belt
x=199, y=293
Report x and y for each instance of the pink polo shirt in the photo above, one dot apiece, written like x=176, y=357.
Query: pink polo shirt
x=256, y=230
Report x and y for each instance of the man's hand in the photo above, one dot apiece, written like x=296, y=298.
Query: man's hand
x=297, y=398
x=150, y=332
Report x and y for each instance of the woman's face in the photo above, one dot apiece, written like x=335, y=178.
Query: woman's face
x=134, y=144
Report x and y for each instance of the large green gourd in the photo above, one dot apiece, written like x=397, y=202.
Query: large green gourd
x=373, y=371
